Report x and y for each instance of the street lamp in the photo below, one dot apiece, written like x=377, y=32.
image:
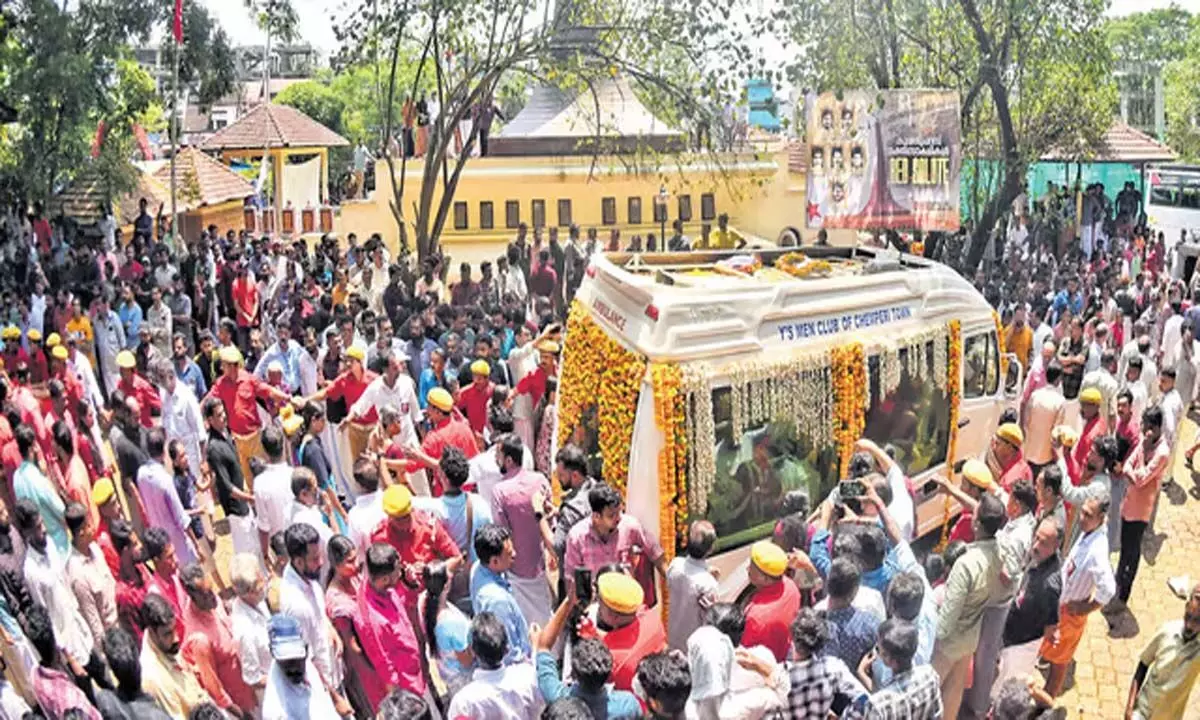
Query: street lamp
x=660, y=202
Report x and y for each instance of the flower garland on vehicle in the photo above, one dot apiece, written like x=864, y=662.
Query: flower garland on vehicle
x=1000, y=343
x=598, y=368
x=954, y=359
x=848, y=366
x=669, y=417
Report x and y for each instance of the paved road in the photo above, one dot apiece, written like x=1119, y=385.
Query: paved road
x=1107, y=658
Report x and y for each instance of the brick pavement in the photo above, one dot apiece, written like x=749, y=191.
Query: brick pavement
x=1105, y=661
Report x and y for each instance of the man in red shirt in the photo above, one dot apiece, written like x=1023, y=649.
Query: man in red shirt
x=239, y=392
x=1010, y=461
x=104, y=497
x=71, y=385
x=349, y=387
x=14, y=354
x=30, y=409
x=245, y=303
x=449, y=429
x=625, y=626
x=1094, y=425
x=137, y=387
x=37, y=356
x=473, y=399
x=419, y=538
x=773, y=604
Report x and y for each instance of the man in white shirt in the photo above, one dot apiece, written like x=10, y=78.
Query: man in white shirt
x=249, y=617
x=693, y=588
x=396, y=389
x=496, y=691
x=1044, y=411
x=1104, y=379
x=302, y=598
x=181, y=418
x=46, y=578
x=485, y=466
x=304, y=504
x=1133, y=383
x=273, y=490
x=1043, y=332
x=294, y=688
x=901, y=508
x=1171, y=403
x=367, y=513
x=1087, y=584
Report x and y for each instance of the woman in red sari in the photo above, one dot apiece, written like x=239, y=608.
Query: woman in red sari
x=364, y=689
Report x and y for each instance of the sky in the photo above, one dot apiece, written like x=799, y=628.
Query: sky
x=317, y=29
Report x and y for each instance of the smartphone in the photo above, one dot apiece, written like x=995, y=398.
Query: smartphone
x=583, y=585
x=852, y=489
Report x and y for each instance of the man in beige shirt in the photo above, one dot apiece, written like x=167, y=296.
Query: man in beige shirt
x=973, y=585
x=88, y=574
x=1042, y=413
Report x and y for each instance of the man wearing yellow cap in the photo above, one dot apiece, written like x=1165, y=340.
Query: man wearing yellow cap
x=39, y=368
x=447, y=429
x=137, y=387
x=347, y=388
x=59, y=371
x=474, y=398
x=774, y=602
x=239, y=392
x=420, y=539
x=627, y=628
x=14, y=354
x=104, y=499
x=1006, y=449
x=975, y=483
x=1094, y=425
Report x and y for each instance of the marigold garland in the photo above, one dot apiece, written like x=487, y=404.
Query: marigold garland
x=669, y=418
x=954, y=360
x=596, y=368
x=1000, y=343
x=848, y=366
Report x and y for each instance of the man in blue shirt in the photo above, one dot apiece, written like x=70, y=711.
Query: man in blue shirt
x=492, y=592
x=186, y=370
x=299, y=369
x=30, y=484
x=1068, y=299
x=130, y=314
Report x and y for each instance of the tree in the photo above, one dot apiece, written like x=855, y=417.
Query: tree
x=317, y=100
x=1032, y=75
x=465, y=52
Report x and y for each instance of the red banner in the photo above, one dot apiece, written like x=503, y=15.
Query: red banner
x=177, y=26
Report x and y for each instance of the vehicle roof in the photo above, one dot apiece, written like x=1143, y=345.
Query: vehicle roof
x=683, y=306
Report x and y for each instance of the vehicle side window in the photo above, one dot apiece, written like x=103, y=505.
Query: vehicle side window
x=981, y=360
x=914, y=417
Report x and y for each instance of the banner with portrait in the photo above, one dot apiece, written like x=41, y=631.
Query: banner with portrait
x=883, y=159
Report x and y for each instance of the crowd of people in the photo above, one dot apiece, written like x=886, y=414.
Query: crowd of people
x=373, y=442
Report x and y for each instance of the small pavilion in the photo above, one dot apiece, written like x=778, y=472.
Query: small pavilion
x=1121, y=145
x=277, y=133
x=206, y=192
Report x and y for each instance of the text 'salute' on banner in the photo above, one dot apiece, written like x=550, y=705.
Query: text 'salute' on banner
x=884, y=159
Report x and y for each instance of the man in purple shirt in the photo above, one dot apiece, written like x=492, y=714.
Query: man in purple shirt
x=513, y=506
x=161, y=500
x=55, y=690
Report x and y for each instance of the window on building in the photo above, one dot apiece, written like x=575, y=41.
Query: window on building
x=660, y=212
x=538, y=210
x=608, y=211
x=564, y=212
x=460, y=215
x=685, y=208
x=635, y=211
x=512, y=213
x=708, y=207
x=486, y=221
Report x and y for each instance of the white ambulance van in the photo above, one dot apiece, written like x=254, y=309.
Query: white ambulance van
x=727, y=318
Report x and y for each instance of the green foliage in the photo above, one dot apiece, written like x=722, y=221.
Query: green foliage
x=277, y=17
x=1155, y=37
x=316, y=100
x=207, y=64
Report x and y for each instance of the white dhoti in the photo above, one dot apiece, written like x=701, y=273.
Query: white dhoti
x=533, y=598
x=341, y=472
x=244, y=533
x=1016, y=661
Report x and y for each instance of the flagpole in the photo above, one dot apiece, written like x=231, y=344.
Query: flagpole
x=174, y=126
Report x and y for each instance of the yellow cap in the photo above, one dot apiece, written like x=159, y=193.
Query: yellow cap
x=547, y=346
x=53, y=340
x=621, y=593
x=59, y=353
x=481, y=367
x=1011, y=433
x=397, y=501
x=102, y=491
x=10, y=332
x=769, y=558
x=290, y=420
x=354, y=352
x=125, y=359
x=977, y=473
x=34, y=335
x=1065, y=434
x=1091, y=396
x=441, y=399
x=230, y=354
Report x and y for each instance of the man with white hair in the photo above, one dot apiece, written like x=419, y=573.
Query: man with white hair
x=249, y=615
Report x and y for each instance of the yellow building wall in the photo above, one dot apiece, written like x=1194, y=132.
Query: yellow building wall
x=757, y=191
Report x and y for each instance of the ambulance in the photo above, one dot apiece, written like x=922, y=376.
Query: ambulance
x=754, y=334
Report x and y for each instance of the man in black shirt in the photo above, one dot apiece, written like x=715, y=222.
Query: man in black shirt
x=1034, y=612
x=226, y=471
x=129, y=448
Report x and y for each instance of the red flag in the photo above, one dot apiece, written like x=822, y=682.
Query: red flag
x=177, y=27
x=98, y=139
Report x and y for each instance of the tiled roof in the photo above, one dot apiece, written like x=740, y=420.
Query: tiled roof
x=82, y=198
x=278, y=125
x=200, y=180
x=1121, y=144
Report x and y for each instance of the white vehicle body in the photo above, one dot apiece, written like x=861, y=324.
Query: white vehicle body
x=659, y=308
x=1172, y=206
